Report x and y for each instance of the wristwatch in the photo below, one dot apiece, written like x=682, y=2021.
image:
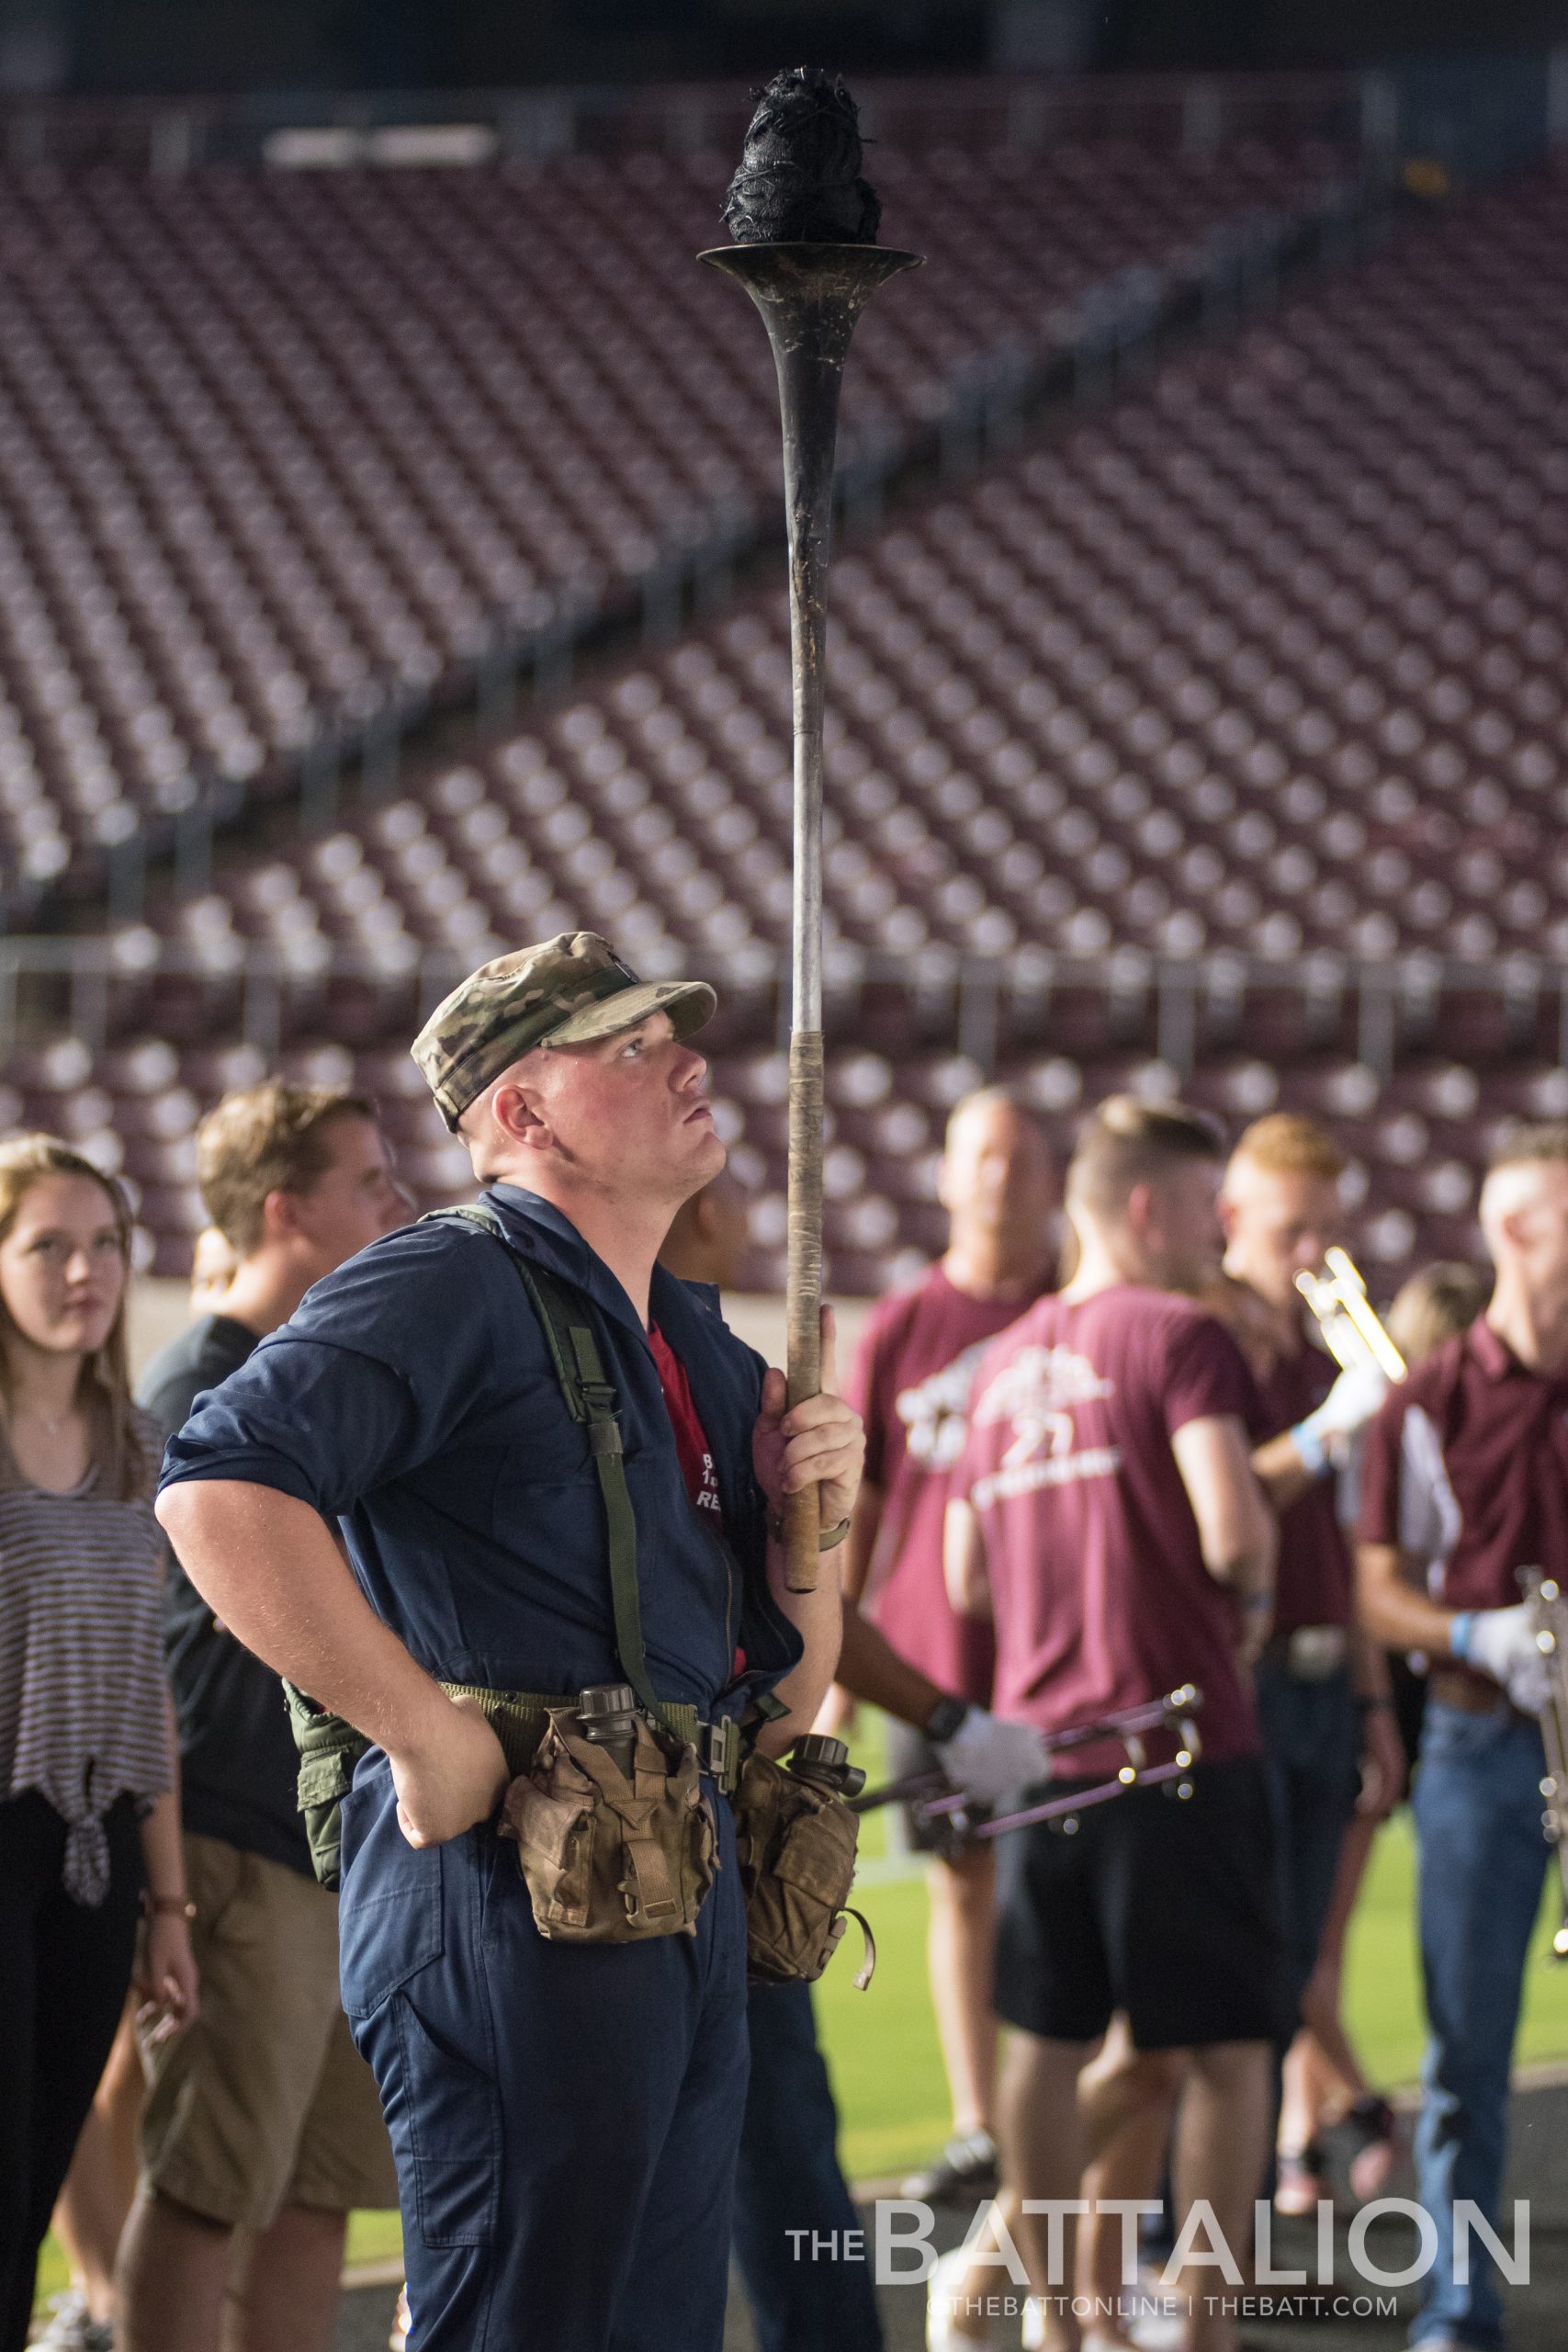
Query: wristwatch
x=942, y=1724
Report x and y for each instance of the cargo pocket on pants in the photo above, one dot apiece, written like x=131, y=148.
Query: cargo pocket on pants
x=452, y=2115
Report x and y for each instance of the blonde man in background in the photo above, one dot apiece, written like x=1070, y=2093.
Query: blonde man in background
x=1324, y=2081
x=1324, y=1699
x=910, y=1381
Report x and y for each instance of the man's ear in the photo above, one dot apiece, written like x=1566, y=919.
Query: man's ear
x=280, y=1216
x=1142, y=1214
x=944, y=1184
x=516, y=1110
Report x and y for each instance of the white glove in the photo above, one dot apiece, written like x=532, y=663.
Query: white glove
x=1347, y=1408
x=1501, y=1642
x=992, y=1759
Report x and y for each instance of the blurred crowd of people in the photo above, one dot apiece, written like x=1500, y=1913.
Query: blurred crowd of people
x=1107, y=1456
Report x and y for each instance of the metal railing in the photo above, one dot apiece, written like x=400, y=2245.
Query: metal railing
x=412, y=129
x=993, y=1012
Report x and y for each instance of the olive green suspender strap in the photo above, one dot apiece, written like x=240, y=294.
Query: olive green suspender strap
x=591, y=1399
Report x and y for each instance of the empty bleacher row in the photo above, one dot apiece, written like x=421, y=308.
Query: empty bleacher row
x=1417, y=1139
x=279, y=452
x=1266, y=659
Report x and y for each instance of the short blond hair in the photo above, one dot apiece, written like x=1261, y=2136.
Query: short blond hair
x=1126, y=1142
x=1287, y=1143
x=1522, y=1145
x=262, y=1140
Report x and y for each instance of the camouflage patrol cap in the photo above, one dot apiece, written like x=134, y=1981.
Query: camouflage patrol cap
x=567, y=991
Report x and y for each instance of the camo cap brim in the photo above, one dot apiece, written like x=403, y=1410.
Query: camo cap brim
x=570, y=990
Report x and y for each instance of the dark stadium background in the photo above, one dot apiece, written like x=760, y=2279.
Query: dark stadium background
x=391, y=572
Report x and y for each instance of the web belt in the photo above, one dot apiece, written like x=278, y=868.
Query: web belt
x=518, y=1719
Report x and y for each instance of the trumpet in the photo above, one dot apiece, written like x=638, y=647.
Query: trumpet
x=1352, y=1332
x=933, y=1799
x=1548, y=1616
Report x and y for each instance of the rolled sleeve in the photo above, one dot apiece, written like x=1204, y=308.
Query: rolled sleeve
x=351, y=1390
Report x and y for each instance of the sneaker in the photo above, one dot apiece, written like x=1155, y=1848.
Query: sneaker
x=966, y=2167
x=402, y=2324
x=1372, y=2130
x=941, y=2332
x=1301, y=2179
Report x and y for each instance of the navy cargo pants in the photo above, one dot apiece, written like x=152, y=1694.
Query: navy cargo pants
x=565, y=2119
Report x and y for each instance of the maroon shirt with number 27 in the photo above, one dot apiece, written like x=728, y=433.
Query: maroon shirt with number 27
x=909, y=1382
x=1098, y=1592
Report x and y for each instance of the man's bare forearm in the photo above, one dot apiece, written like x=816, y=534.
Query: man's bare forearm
x=1280, y=1472
x=871, y=1669
x=817, y=1619
x=859, y=1545
x=1393, y=1606
x=267, y=1566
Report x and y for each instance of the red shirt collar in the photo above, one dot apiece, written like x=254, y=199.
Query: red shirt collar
x=1496, y=1358
x=1498, y=1361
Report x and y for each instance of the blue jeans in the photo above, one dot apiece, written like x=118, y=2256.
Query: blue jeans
x=1483, y=1860
x=1311, y=1744
x=805, y=2298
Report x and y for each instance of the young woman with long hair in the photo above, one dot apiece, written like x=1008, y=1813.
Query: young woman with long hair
x=88, y=1814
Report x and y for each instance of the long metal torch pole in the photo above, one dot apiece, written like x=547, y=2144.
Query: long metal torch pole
x=809, y=297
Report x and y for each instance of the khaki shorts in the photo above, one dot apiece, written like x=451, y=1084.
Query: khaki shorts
x=265, y=2102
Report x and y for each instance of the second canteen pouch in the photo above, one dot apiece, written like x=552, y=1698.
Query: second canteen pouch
x=610, y=1859
x=797, y=1849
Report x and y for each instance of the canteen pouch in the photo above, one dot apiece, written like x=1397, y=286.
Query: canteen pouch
x=607, y=1860
x=795, y=1843
x=329, y=1751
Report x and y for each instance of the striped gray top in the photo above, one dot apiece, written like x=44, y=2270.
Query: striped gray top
x=83, y=1704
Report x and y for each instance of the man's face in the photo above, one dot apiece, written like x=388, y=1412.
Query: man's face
x=996, y=1180
x=354, y=1201
x=1180, y=1226
x=626, y=1114
x=1538, y=1228
x=1278, y=1224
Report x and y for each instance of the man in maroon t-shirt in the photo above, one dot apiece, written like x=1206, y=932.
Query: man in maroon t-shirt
x=1322, y=1686
x=909, y=1379
x=1465, y=1483
x=1107, y=1517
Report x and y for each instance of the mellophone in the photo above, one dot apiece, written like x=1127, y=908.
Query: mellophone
x=935, y=1799
x=1352, y=1329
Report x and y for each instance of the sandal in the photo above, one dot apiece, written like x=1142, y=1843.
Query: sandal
x=1300, y=2181
x=1373, y=2128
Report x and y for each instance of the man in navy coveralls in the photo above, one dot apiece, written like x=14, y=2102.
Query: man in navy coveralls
x=564, y=2117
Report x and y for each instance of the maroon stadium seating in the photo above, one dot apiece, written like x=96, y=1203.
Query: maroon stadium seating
x=279, y=451
x=1264, y=658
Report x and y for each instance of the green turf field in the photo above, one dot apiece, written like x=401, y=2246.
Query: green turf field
x=883, y=2049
